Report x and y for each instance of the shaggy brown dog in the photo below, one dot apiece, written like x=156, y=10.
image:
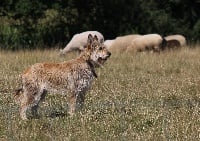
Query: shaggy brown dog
x=73, y=77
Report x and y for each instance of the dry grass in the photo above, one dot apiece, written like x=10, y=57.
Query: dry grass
x=140, y=97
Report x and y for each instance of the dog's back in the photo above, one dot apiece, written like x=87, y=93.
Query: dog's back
x=59, y=77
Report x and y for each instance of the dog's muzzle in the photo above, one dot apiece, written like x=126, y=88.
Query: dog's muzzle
x=109, y=54
x=103, y=60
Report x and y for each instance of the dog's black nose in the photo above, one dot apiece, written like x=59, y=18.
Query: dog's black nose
x=109, y=54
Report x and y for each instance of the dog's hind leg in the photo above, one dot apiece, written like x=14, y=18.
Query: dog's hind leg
x=25, y=104
x=30, y=99
x=72, y=105
x=40, y=97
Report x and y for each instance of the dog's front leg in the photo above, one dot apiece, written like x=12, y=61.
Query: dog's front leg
x=80, y=100
x=76, y=102
x=72, y=104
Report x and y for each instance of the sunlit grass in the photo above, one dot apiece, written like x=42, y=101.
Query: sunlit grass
x=140, y=97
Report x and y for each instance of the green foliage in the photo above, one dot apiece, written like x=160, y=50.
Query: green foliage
x=27, y=24
x=197, y=29
x=9, y=35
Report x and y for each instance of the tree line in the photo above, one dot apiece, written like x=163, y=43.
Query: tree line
x=42, y=23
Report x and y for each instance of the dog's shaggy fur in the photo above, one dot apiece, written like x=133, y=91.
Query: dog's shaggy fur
x=73, y=77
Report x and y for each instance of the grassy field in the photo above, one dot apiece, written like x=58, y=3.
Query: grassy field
x=138, y=97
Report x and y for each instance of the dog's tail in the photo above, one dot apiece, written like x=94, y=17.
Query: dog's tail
x=18, y=94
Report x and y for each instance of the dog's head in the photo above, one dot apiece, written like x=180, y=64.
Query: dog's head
x=97, y=50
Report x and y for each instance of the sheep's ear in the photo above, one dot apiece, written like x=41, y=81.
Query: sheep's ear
x=90, y=39
x=95, y=37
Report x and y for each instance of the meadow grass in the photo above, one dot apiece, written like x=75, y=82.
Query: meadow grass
x=145, y=96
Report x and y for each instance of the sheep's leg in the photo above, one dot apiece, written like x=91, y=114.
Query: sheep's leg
x=156, y=49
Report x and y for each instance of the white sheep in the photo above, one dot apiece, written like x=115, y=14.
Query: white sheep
x=108, y=43
x=150, y=42
x=79, y=41
x=120, y=43
x=177, y=37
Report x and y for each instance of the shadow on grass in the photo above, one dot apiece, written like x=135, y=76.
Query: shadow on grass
x=58, y=114
x=124, y=107
x=54, y=114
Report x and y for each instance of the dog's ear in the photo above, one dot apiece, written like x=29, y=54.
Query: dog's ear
x=95, y=37
x=90, y=39
x=101, y=41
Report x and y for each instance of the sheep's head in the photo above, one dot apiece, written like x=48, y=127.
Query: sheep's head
x=97, y=50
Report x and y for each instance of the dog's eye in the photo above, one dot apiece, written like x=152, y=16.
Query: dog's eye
x=100, y=48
